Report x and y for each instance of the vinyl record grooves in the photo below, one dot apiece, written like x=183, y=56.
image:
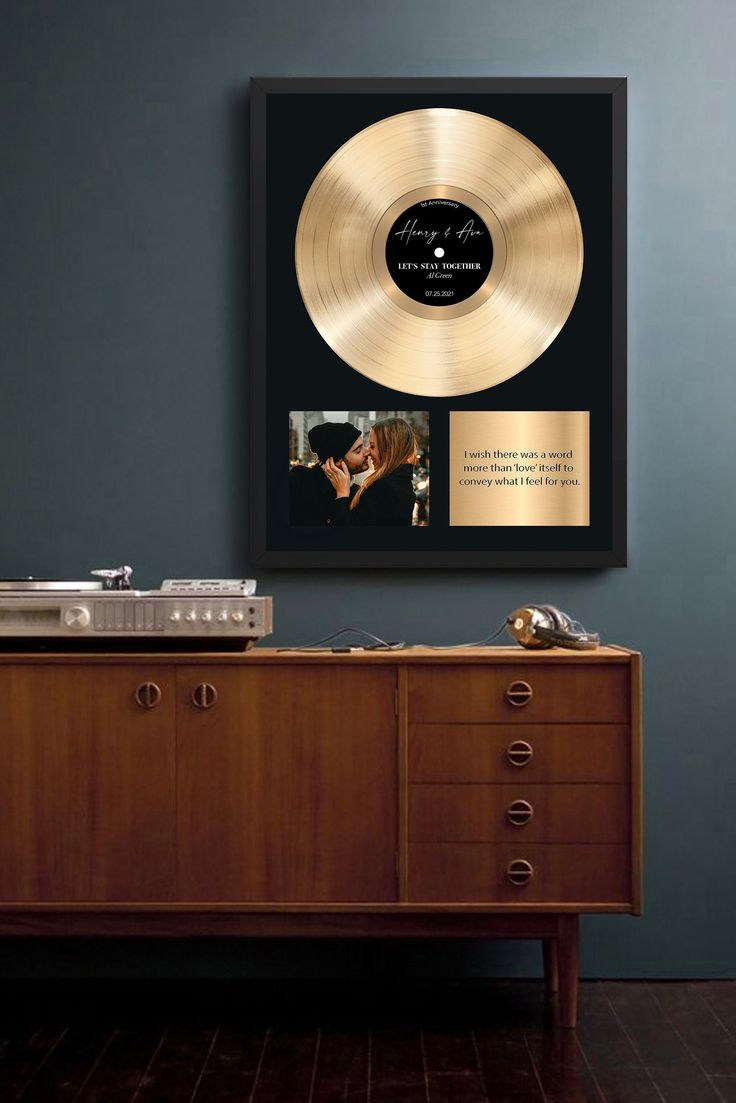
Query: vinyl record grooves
x=439, y=252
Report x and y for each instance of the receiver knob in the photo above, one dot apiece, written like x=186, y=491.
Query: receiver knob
x=77, y=617
x=175, y=617
x=236, y=618
x=206, y=616
x=191, y=616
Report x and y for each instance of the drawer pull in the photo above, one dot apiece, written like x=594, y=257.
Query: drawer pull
x=520, y=872
x=519, y=694
x=519, y=812
x=204, y=696
x=519, y=753
x=148, y=695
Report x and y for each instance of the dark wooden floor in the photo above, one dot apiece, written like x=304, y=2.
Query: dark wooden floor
x=467, y=1042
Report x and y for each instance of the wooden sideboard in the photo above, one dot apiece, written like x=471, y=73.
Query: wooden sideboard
x=486, y=792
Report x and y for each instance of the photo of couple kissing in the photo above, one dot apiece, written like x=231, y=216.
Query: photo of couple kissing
x=372, y=473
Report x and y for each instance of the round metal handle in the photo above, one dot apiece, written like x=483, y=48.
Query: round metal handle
x=519, y=812
x=519, y=871
x=148, y=695
x=519, y=753
x=519, y=694
x=204, y=695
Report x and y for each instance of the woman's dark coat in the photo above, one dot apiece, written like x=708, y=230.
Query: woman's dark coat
x=388, y=501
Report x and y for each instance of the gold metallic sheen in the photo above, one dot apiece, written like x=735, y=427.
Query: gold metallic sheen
x=524, y=502
x=414, y=347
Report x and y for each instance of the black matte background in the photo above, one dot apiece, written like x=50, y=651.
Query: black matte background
x=574, y=373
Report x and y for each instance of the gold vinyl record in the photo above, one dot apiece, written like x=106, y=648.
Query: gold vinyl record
x=439, y=252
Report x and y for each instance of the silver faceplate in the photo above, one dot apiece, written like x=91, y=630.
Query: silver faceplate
x=134, y=613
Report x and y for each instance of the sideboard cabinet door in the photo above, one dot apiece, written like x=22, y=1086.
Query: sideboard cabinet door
x=286, y=783
x=87, y=789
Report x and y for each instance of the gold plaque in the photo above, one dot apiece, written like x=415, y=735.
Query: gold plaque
x=439, y=252
x=519, y=468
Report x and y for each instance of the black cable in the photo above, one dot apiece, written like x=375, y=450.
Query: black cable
x=486, y=642
x=376, y=644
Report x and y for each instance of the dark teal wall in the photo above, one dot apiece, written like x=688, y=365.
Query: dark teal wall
x=123, y=388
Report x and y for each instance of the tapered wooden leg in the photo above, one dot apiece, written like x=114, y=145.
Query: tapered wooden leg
x=567, y=958
x=551, y=970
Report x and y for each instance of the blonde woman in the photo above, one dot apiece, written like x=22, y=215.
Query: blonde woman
x=386, y=496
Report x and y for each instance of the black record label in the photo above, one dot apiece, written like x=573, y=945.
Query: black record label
x=439, y=252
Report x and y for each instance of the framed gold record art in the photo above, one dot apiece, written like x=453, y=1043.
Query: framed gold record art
x=438, y=322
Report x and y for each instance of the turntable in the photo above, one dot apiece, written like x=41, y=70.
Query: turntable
x=106, y=613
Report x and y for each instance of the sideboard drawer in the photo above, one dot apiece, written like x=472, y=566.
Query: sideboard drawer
x=528, y=753
x=524, y=693
x=481, y=873
x=519, y=813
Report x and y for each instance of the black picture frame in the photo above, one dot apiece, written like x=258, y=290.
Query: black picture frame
x=273, y=307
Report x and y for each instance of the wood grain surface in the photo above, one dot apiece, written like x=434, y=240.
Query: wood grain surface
x=571, y=873
x=479, y=813
x=591, y=753
x=87, y=784
x=559, y=694
x=287, y=786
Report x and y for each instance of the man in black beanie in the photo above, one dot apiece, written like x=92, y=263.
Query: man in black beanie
x=311, y=494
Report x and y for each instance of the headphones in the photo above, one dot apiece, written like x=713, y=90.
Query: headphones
x=537, y=626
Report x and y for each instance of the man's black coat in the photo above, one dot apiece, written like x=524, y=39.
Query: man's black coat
x=311, y=496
